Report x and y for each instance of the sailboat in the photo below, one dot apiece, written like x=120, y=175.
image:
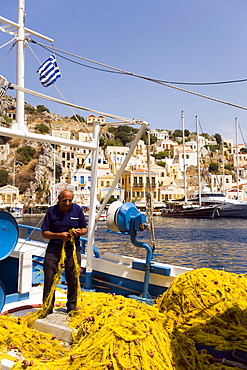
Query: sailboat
x=206, y=204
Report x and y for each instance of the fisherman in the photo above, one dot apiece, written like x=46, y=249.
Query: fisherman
x=59, y=219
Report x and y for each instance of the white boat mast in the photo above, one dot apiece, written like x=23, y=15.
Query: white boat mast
x=198, y=164
x=237, y=156
x=184, y=162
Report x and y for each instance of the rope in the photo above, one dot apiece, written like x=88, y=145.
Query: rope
x=47, y=97
x=7, y=43
x=148, y=79
x=149, y=195
x=8, y=51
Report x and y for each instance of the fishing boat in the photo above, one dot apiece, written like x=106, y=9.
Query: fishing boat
x=137, y=328
x=107, y=272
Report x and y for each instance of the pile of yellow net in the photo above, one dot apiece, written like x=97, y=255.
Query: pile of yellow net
x=113, y=332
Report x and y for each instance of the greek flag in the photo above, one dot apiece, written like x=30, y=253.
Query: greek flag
x=49, y=71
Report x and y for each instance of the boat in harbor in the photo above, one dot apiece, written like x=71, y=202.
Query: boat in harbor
x=213, y=206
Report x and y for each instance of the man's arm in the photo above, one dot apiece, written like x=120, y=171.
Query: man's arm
x=64, y=236
x=80, y=232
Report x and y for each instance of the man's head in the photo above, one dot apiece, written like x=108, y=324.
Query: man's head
x=65, y=199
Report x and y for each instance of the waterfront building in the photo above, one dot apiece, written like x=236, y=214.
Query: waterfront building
x=160, y=134
x=135, y=185
x=60, y=133
x=162, y=145
x=170, y=192
x=219, y=182
x=103, y=185
x=91, y=119
x=115, y=156
x=9, y=195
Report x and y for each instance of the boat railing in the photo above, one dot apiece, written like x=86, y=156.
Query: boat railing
x=30, y=230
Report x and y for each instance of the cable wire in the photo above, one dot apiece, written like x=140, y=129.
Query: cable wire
x=147, y=78
x=119, y=71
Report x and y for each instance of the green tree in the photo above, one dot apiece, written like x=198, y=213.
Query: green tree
x=161, y=155
x=213, y=167
x=243, y=150
x=4, y=139
x=79, y=118
x=42, y=128
x=123, y=133
x=7, y=119
x=113, y=143
x=30, y=110
x=218, y=138
x=26, y=153
x=177, y=133
x=42, y=108
x=161, y=163
x=4, y=177
x=204, y=134
x=186, y=132
x=228, y=167
x=153, y=138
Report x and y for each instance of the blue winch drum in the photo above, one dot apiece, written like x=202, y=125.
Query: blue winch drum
x=9, y=233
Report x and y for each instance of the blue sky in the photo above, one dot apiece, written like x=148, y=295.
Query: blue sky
x=173, y=40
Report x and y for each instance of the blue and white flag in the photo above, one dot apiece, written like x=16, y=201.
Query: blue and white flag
x=49, y=71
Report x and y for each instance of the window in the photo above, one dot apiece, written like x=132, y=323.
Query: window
x=102, y=183
x=82, y=179
x=75, y=178
x=89, y=179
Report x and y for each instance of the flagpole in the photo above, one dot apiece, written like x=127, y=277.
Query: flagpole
x=20, y=32
x=20, y=68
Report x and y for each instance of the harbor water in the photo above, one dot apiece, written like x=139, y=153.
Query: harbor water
x=216, y=243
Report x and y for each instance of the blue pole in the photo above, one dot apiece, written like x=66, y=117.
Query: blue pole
x=149, y=257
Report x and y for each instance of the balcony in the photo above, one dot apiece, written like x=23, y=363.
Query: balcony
x=138, y=185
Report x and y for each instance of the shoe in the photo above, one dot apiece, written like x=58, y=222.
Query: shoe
x=70, y=309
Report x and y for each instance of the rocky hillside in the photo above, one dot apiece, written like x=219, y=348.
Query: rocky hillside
x=32, y=171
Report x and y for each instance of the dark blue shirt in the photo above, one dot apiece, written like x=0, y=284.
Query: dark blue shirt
x=57, y=221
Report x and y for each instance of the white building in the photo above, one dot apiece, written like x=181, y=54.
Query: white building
x=160, y=134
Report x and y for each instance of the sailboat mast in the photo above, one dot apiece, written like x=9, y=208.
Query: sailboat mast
x=185, y=181
x=237, y=157
x=198, y=164
x=20, y=67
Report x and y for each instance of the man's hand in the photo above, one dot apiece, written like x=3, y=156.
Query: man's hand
x=65, y=236
x=78, y=232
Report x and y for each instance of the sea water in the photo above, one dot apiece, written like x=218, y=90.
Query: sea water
x=195, y=243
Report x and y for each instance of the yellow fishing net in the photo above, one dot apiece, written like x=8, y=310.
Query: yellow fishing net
x=113, y=332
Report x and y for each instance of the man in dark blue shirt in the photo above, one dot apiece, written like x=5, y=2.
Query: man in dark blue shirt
x=59, y=219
